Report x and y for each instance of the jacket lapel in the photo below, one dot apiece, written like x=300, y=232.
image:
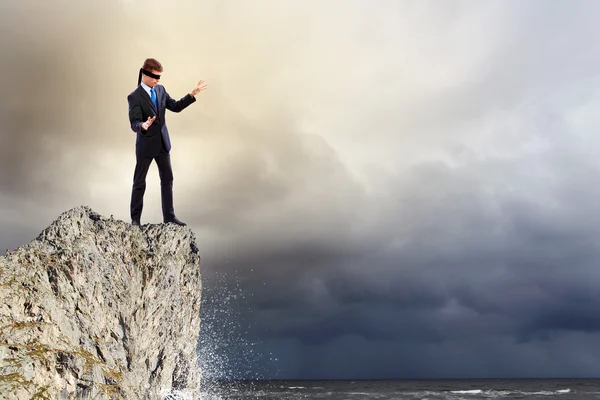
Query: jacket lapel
x=145, y=96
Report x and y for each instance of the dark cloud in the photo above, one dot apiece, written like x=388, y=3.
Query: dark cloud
x=477, y=253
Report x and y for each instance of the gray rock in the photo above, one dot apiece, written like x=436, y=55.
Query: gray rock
x=96, y=308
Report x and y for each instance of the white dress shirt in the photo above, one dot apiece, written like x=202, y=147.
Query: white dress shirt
x=147, y=89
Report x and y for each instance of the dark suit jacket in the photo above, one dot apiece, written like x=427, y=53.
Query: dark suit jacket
x=148, y=143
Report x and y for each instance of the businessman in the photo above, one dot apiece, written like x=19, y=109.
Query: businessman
x=147, y=107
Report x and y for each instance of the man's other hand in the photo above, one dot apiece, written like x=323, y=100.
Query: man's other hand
x=200, y=87
x=149, y=122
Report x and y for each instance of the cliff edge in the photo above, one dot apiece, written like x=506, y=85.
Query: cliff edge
x=96, y=308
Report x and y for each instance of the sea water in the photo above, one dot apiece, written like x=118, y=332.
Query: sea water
x=547, y=389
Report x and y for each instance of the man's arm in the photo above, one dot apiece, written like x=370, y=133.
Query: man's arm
x=178, y=105
x=135, y=114
x=136, y=118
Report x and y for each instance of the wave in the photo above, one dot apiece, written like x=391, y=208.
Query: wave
x=499, y=393
x=474, y=391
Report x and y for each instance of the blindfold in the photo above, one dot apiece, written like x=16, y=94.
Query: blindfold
x=145, y=72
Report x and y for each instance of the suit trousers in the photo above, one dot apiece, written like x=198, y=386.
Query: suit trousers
x=163, y=161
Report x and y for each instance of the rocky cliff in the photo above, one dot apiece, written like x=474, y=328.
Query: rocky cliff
x=96, y=308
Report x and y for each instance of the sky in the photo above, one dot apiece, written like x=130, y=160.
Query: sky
x=390, y=189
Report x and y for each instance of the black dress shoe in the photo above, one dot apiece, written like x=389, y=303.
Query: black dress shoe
x=175, y=221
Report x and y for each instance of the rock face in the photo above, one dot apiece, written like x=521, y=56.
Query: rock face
x=95, y=308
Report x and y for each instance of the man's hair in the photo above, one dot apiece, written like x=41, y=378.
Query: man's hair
x=152, y=64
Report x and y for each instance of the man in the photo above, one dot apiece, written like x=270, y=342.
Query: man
x=147, y=107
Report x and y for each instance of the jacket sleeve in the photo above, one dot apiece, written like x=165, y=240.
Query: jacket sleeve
x=135, y=114
x=178, y=105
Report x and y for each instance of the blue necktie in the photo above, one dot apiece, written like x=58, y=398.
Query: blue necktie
x=153, y=95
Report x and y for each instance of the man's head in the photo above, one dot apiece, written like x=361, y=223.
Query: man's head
x=151, y=71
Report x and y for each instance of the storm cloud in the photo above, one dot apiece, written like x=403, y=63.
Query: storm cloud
x=379, y=190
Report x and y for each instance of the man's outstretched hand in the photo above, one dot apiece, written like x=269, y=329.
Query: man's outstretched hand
x=149, y=122
x=200, y=87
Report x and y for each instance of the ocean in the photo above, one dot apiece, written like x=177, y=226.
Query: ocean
x=547, y=389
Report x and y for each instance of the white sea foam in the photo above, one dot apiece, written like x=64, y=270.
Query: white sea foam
x=547, y=392
x=490, y=393
x=473, y=391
